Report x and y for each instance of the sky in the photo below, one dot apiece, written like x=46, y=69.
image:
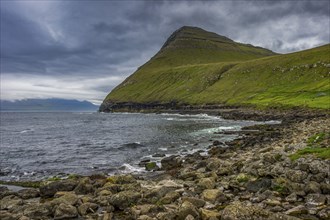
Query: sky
x=75, y=49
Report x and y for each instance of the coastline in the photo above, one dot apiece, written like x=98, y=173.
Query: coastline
x=254, y=177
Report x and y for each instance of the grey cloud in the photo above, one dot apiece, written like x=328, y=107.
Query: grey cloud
x=87, y=41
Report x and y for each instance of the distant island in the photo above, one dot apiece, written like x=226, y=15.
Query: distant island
x=47, y=105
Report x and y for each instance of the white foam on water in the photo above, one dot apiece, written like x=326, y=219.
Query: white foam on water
x=131, y=169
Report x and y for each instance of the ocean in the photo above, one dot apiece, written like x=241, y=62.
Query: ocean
x=37, y=146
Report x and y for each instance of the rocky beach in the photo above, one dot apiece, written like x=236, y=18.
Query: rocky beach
x=278, y=171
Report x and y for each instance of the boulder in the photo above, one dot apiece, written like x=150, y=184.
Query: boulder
x=65, y=211
x=84, y=186
x=297, y=176
x=150, y=166
x=171, y=162
x=50, y=189
x=121, y=179
x=38, y=211
x=315, y=200
x=312, y=187
x=170, y=197
x=206, y=183
x=209, y=214
x=211, y=195
x=69, y=198
x=240, y=211
x=195, y=201
x=124, y=199
x=10, y=202
x=261, y=184
x=87, y=208
x=28, y=193
x=296, y=211
x=186, y=209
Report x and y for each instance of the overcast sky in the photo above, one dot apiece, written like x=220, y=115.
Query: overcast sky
x=83, y=49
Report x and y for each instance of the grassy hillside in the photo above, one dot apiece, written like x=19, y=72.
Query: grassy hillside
x=220, y=71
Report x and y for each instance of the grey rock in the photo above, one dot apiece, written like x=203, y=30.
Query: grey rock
x=259, y=184
x=171, y=162
x=86, y=208
x=65, y=211
x=297, y=176
x=38, y=211
x=84, y=187
x=10, y=202
x=124, y=199
x=298, y=210
x=186, y=209
x=195, y=201
x=50, y=189
x=28, y=193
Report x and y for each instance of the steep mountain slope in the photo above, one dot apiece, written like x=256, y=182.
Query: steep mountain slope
x=198, y=67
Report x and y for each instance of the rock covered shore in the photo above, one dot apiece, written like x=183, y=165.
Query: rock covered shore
x=270, y=174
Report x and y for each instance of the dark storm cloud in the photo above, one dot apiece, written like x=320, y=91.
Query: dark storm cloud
x=82, y=49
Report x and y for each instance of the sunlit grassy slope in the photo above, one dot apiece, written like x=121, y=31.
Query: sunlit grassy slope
x=199, y=67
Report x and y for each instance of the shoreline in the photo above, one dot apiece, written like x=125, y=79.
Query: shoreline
x=255, y=175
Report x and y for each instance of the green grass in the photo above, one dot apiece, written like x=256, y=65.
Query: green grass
x=317, y=145
x=220, y=71
x=323, y=153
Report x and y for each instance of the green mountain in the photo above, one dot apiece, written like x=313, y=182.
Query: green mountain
x=197, y=67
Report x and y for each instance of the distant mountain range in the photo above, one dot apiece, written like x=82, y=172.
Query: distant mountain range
x=47, y=105
x=196, y=67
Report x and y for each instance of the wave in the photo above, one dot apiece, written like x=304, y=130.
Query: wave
x=127, y=168
x=26, y=130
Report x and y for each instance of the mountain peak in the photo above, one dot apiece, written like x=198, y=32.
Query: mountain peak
x=187, y=36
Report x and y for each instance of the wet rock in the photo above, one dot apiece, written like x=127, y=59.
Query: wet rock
x=65, y=211
x=291, y=198
x=144, y=162
x=315, y=200
x=312, y=187
x=10, y=202
x=325, y=188
x=211, y=195
x=166, y=215
x=209, y=214
x=171, y=162
x=150, y=166
x=240, y=211
x=169, y=198
x=28, y=193
x=121, y=179
x=261, y=184
x=186, y=209
x=324, y=213
x=38, y=211
x=297, y=176
x=84, y=187
x=50, y=189
x=159, y=155
x=296, y=211
x=4, y=215
x=124, y=199
x=87, y=208
x=195, y=201
x=69, y=198
x=146, y=209
x=206, y=183
x=217, y=143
